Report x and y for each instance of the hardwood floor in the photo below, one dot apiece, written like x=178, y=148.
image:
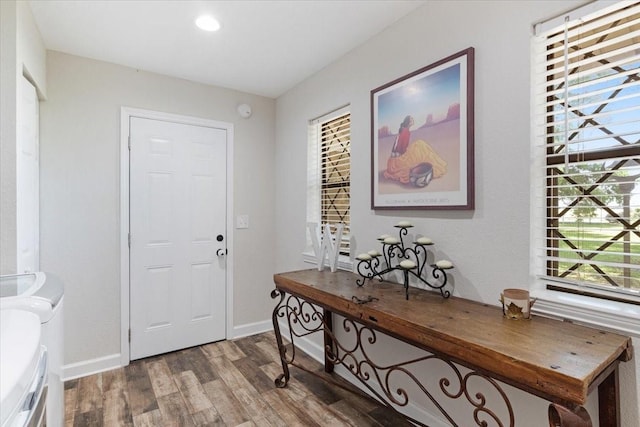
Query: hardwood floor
x=228, y=383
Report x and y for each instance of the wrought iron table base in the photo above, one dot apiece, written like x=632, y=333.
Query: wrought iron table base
x=304, y=319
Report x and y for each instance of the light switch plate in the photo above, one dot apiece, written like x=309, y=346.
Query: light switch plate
x=242, y=221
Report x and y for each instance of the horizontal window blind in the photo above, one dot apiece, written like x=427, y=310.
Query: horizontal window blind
x=329, y=172
x=587, y=133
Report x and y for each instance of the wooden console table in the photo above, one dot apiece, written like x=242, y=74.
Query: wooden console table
x=557, y=361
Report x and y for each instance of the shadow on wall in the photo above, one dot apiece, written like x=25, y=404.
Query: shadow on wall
x=629, y=386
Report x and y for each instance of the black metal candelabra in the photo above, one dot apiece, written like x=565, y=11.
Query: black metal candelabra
x=410, y=260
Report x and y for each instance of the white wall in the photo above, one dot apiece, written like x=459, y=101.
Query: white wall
x=8, y=96
x=490, y=245
x=22, y=52
x=80, y=143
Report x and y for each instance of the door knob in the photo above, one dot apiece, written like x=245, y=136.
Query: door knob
x=221, y=252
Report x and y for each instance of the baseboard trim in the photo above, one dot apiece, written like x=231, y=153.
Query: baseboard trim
x=251, y=329
x=312, y=349
x=90, y=367
x=113, y=361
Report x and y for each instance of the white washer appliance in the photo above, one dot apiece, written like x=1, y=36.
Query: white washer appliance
x=23, y=370
x=42, y=294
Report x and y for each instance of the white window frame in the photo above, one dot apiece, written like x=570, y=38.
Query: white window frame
x=622, y=317
x=314, y=186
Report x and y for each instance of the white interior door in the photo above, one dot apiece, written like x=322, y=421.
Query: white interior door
x=178, y=241
x=27, y=179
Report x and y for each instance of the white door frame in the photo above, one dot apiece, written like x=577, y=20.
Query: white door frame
x=125, y=114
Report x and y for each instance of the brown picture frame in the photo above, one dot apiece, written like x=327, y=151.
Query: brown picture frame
x=432, y=165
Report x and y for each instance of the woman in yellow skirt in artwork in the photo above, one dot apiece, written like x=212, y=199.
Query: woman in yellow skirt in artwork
x=417, y=165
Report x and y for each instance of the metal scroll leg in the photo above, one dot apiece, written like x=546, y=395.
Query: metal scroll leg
x=406, y=284
x=328, y=341
x=559, y=416
x=609, y=400
x=283, y=378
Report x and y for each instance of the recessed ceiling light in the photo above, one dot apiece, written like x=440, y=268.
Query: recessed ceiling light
x=208, y=23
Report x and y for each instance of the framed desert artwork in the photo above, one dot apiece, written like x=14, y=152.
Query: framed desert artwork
x=422, y=138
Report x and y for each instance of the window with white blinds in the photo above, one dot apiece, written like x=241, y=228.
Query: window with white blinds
x=587, y=145
x=329, y=172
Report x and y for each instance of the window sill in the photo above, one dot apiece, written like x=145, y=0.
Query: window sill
x=344, y=262
x=616, y=316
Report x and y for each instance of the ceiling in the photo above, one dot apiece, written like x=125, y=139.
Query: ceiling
x=263, y=47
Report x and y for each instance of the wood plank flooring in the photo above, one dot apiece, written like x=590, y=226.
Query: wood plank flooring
x=228, y=383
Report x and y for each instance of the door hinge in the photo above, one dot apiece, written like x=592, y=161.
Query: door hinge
x=129, y=335
x=129, y=240
x=129, y=144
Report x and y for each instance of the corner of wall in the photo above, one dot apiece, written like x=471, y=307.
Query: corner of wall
x=31, y=52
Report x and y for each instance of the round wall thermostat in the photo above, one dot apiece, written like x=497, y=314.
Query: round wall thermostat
x=244, y=110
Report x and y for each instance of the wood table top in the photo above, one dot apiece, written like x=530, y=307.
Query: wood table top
x=556, y=360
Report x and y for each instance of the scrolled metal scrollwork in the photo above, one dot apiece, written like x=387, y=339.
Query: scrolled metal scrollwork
x=302, y=319
x=377, y=378
x=410, y=260
x=479, y=402
x=367, y=269
x=282, y=379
